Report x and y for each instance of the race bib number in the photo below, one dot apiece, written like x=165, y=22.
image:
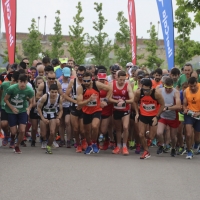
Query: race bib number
x=49, y=110
x=123, y=106
x=149, y=107
x=191, y=113
x=92, y=103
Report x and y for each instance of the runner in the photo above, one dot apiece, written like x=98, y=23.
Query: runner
x=157, y=78
x=18, y=109
x=122, y=97
x=106, y=111
x=151, y=106
x=174, y=74
x=114, y=69
x=191, y=106
x=4, y=116
x=88, y=98
x=65, y=120
x=50, y=111
x=76, y=114
x=169, y=116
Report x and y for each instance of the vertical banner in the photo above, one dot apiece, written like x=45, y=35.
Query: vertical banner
x=9, y=9
x=167, y=23
x=132, y=20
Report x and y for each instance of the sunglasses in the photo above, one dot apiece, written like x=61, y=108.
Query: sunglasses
x=146, y=90
x=128, y=66
x=79, y=74
x=51, y=78
x=168, y=87
x=86, y=81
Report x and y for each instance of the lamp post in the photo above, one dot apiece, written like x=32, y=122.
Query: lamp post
x=45, y=17
x=39, y=23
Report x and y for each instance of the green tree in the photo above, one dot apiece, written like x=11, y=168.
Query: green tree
x=57, y=39
x=32, y=46
x=76, y=46
x=186, y=48
x=6, y=57
x=152, y=59
x=99, y=46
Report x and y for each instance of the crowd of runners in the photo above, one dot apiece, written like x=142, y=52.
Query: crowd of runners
x=95, y=108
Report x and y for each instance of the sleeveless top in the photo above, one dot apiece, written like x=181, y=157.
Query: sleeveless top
x=49, y=110
x=46, y=87
x=92, y=106
x=64, y=86
x=74, y=90
x=107, y=110
x=169, y=101
x=193, y=100
x=120, y=94
x=148, y=104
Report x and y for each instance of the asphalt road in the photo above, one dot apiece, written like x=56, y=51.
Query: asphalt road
x=68, y=175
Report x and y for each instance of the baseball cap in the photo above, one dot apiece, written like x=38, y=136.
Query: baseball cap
x=66, y=72
x=101, y=76
x=141, y=74
x=63, y=60
x=55, y=61
x=115, y=68
x=129, y=64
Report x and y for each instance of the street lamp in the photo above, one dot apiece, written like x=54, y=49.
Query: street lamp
x=45, y=17
x=39, y=23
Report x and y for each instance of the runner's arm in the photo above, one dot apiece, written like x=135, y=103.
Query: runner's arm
x=60, y=92
x=130, y=94
x=80, y=101
x=102, y=86
x=40, y=105
x=68, y=92
x=161, y=101
x=39, y=92
x=177, y=106
x=60, y=113
x=111, y=100
x=7, y=102
x=135, y=101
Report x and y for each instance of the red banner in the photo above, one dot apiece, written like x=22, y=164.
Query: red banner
x=132, y=20
x=9, y=9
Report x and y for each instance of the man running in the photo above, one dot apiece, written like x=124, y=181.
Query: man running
x=151, y=104
x=50, y=110
x=191, y=107
x=76, y=111
x=18, y=109
x=157, y=78
x=122, y=97
x=169, y=116
x=89, y=99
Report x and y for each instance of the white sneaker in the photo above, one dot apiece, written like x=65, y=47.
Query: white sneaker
x=55, y=144
x=44, y=145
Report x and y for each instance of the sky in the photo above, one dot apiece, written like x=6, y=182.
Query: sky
x=146, y=12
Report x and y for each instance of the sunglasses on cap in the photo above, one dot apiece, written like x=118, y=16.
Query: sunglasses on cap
x=168, y=87
x=86, y=81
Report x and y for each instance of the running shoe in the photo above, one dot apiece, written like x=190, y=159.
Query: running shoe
x=154, y=142
x=68, y=144
x=84, y=144
x=137, y=150
x=23, y=143
x=25, y=139
x=88, y=150
x=37, y=135
x=111, y=145
x=145, y=155
x=196, y=147
x=48, y=150
x=5, y=141
x=27, y=134
x=44, y=145
x=125, y=151
x=55, y=144
x=105, y=145
x=189, y=154
x=79, y=149
x=17, y=150
x=160, y=150
x=131, y=145
x=148, y=142
x=117, y=150
x=181, y=151
x=72, y=142
x=62, y=143
x=1, y=135
x=95, y=148
x=58, y=138
x=167, y=149
x=12, y=144
x=33, y=143
x=173, y=152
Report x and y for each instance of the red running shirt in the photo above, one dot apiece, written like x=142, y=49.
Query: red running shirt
x=120, y=94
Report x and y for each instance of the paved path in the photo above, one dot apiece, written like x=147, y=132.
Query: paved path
x=34, y=175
